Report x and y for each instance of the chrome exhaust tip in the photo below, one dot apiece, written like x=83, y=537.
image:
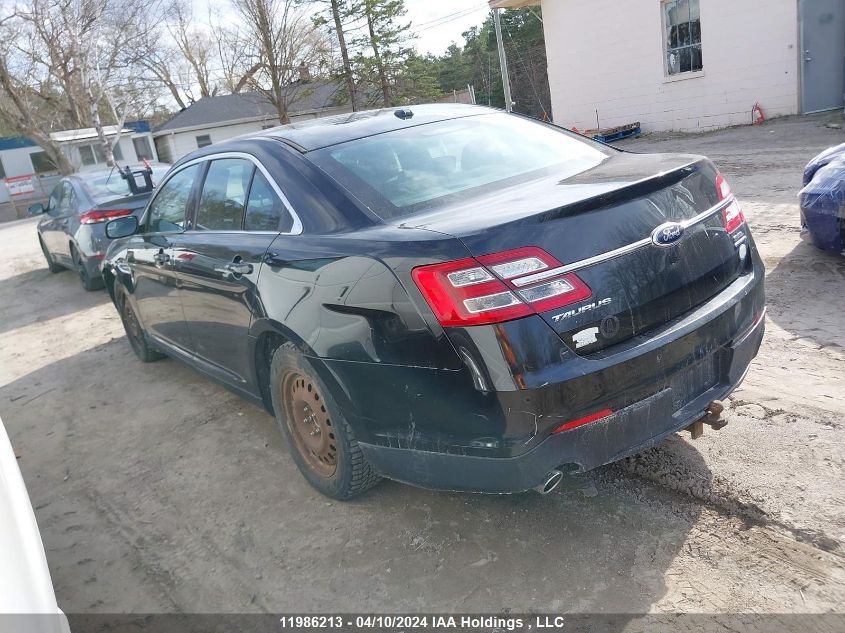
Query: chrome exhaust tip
x=550, y=482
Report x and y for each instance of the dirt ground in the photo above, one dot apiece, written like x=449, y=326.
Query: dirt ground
x=158, y=491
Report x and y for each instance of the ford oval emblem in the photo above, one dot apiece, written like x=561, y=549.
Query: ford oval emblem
x=667, y=234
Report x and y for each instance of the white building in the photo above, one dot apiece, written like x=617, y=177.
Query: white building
x=23, y=157
x=214, y=119
x=690, y=64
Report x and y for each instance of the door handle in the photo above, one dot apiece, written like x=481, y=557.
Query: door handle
x=238, y=268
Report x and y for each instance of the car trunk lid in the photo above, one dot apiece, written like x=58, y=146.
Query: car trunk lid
x=601, y=225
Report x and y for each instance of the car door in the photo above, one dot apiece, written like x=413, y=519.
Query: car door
x=60, y=209
x=239, y=214
x=49, y=224
x=156, y=293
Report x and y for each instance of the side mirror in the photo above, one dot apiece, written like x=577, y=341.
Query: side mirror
x=36, y=209
x=122, y=227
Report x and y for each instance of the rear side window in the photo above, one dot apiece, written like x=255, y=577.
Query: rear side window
x=224, y=193
x=422, y=167
x=264, y=209
x=169, y=207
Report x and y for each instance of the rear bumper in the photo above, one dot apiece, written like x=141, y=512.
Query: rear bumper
x=628, y=430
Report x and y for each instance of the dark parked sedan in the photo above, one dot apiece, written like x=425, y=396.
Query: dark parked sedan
x=449, y=296
x=71, y=233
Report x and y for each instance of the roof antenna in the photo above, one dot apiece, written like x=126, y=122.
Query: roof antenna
x=404, y=113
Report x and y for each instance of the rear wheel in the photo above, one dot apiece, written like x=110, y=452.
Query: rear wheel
x=134, y=331
x=88, y=282
x=321, y=441
x=52, y=266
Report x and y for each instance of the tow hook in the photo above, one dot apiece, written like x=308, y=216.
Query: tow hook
x=712, y=418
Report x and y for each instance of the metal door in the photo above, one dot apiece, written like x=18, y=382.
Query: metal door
x=822, y=54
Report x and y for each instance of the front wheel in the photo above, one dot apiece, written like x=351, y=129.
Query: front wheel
x=134, y=331
x=322, y=442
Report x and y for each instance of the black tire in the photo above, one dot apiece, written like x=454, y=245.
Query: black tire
x=351, y=474
x=88, y=282
x=52, y=266
x=134, y=332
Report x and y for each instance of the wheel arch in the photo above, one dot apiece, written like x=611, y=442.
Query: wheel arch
x=269, y=335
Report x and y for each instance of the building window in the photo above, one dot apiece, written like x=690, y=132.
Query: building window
x=41, y=163
x=2, y=170
x=203, y=140
x=142, y=148
x=93, y=154
x=682, y=24
x=86, y=153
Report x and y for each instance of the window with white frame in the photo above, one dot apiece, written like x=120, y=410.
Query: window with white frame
x=93, y=154
x=682, y=36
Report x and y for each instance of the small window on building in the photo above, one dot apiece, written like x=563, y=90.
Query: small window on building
x=2, y=170
x=142, y=148
x=117, y=153
x=41, y=163
x=682, y=23
x=204, y=140
x=86, y=153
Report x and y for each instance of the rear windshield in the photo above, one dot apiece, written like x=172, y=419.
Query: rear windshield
x=397, y=174
x=109, y=186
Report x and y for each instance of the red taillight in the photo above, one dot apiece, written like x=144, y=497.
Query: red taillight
x=732, y=215
x=593, y=417
x=102, y=215
x=497, y=287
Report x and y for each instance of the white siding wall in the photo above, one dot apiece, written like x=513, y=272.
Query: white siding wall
x=181, y=143
x=16, y=162
x=609, y=55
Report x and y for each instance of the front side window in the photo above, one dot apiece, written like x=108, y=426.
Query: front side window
x=66, y=204
x=54, y=201
x=399, y=173
x=224, y=192
x=682, y=24
x=169, y=208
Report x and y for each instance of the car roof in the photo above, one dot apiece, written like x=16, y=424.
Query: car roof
x=312, y=134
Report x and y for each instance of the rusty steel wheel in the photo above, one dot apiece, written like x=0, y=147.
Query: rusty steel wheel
x=309, y=423
x=322, y=443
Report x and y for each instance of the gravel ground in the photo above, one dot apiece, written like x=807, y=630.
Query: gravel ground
x=158, y=491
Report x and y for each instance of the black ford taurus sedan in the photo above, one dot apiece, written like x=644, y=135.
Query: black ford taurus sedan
x=449, y=296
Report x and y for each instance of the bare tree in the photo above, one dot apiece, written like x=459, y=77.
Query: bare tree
x=287, y=41
x=66, y=61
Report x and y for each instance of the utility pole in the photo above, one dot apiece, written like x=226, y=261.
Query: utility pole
x=503, y=61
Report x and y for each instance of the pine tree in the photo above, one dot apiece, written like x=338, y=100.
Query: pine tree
x=381, y=42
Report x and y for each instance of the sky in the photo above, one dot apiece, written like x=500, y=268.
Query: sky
x=438, y=23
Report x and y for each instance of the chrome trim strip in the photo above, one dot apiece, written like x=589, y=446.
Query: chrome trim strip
x=623, y=250
x=296, y=229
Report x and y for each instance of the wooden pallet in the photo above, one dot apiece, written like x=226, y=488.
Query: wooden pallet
x=607, y=135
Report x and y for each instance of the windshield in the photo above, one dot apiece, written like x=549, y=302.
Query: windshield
x=400, y=173
x=109, y=186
